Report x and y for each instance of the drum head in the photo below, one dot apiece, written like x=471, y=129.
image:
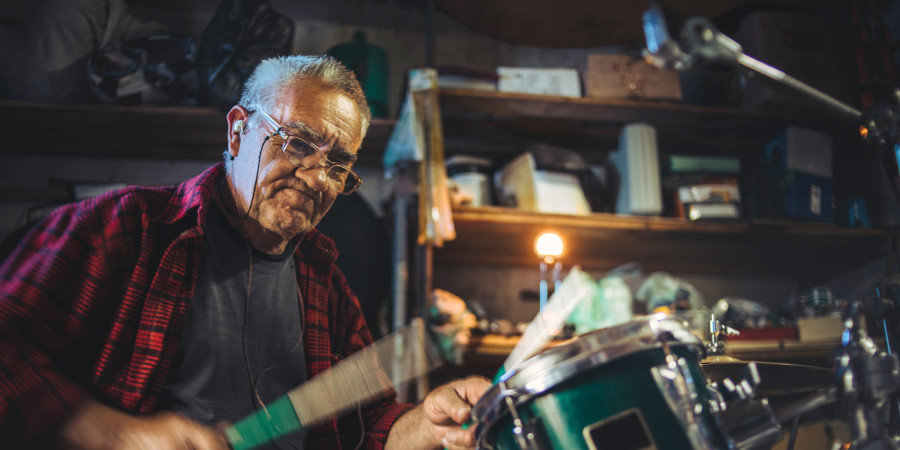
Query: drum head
x=548, y=369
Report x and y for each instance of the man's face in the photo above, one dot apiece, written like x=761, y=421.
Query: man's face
x=289, y=200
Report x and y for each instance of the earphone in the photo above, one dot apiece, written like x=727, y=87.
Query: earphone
x=238, y=126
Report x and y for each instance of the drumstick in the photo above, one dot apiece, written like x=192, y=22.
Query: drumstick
x=576, y=287
x=360, y=378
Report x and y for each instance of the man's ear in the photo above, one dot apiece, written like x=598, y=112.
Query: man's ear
x=238, y=118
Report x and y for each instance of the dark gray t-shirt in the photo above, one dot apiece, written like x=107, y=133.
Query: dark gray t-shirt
x=210, y=381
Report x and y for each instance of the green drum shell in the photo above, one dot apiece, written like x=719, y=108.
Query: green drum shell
x=560, y=415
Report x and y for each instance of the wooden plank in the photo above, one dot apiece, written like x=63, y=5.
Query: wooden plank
x=146, y=132
x=492, y=235
x=671, y=117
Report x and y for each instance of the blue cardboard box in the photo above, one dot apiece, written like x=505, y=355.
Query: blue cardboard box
x=800, y=149
x=803, y=196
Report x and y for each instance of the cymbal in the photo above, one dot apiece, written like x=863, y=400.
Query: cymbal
x=775, y=378
x=569, y=23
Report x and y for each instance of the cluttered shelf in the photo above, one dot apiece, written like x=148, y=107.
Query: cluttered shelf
x=741, y=127
x=600, y=241
x=115, y=131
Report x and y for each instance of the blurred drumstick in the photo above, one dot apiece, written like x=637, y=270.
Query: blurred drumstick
x=547, y=324
x=360, y=378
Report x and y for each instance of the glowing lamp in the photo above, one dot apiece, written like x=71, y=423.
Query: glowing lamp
x=549, y=247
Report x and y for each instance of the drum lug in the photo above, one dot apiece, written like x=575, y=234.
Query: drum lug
x=524, y=433
x=676, y=384
x=750, y=425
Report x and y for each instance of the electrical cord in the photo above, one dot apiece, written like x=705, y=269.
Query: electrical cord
x=254, y=381
x=255, y=183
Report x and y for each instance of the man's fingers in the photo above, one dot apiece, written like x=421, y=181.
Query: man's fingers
x=453, y=401
x=475, y=387
x=457, y=438
x=444, y=406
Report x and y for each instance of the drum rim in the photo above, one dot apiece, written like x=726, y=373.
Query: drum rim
x=584, y=353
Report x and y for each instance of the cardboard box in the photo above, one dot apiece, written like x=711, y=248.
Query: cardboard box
x=818, y=329
x=800, y=149
x=799, y=195
x=618, y=76
x=563, y=82
x=802, y=46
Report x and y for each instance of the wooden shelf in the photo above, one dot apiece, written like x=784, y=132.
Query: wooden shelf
x=808, y=252
x=146, y=132
x=583, y=122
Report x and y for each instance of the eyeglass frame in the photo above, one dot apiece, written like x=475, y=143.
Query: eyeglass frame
x=327, y=164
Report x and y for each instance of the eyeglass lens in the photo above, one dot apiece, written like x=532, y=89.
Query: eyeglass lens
x=304, y=155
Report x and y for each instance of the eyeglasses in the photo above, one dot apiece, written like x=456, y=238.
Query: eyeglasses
x=308, y=156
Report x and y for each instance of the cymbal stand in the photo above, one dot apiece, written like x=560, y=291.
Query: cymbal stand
x=700, y=41
x=883, y=308
x=866, y=377
x=718, y=333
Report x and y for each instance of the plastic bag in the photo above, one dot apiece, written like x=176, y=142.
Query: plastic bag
x=664, y=293
x=240, y=35
x=152, y=70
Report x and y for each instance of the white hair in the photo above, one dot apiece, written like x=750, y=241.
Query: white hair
x=271, y=76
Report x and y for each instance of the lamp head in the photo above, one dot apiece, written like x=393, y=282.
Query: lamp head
x=548, y=246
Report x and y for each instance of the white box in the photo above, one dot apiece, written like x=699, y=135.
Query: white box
x=519, y=183
x=562, y=82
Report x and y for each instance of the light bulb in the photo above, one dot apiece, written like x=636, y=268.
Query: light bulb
x=548, y=244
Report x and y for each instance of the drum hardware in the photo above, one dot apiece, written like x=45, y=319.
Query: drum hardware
x=866, y=378
x=775, y=379
x=593, y=391
x=749, y=425
x=718, y=333
x=745, y=422
x=742, y=391
x=883, y=308
x=524, y=434
x=676, y=384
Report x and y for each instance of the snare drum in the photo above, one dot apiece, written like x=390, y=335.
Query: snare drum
x=633, y=386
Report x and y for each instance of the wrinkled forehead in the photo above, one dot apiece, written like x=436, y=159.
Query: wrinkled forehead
x=323, y=115
x=327, y=118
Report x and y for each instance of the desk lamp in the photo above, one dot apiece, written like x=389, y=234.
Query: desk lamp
x=549, y=247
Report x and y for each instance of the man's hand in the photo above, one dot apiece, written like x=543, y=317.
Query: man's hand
x=96, y=426
x=437, y=422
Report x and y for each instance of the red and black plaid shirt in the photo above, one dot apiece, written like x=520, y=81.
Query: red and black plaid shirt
x=94, y=300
